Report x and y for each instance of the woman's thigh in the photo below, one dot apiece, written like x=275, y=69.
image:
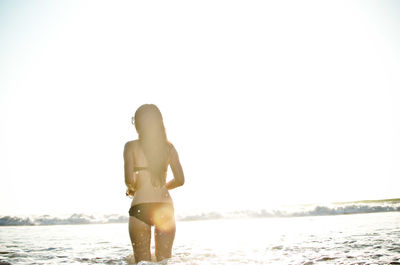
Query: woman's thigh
x=140, y=234
x=164, y=233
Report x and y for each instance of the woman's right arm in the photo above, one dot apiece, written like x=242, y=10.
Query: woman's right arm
x=128, y=168
x=176, y=167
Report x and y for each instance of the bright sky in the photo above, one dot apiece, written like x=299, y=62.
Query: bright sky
x=266, y=102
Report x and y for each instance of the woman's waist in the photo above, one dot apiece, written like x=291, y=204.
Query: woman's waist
x=137, y=201
x=150, y=189
x=142, y=196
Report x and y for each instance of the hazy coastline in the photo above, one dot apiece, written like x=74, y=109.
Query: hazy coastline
x=335, y=208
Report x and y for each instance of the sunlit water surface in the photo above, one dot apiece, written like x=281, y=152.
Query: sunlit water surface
x=342, y=239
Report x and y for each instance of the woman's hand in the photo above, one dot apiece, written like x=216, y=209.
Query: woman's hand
x=130, y=192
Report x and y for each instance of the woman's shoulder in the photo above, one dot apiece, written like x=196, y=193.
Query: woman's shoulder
x=130, y=144
x=170, y=145
x=172, y=150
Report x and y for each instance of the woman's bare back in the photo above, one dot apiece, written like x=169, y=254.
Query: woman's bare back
x=145, y=191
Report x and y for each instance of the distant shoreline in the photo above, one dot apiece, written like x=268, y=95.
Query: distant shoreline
x=338, y=208
x=395, y=200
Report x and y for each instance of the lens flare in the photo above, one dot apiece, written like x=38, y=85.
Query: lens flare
x=163, y=218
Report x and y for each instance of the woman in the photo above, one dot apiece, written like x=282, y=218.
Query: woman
x=146, y=163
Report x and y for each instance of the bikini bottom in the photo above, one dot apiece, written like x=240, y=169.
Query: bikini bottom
x=153, y=213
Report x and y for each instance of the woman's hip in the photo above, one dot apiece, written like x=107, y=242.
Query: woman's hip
x=154, y=213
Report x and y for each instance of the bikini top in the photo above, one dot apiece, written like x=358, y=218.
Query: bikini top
x=139, y=168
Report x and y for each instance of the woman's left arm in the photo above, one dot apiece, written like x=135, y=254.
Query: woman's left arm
x=128, y=168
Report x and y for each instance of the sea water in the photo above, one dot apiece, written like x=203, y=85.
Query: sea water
x=369, y=238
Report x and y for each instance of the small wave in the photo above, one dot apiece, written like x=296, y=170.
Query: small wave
x=316, y=210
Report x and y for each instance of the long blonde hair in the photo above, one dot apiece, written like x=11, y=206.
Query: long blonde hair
x=153, y=139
